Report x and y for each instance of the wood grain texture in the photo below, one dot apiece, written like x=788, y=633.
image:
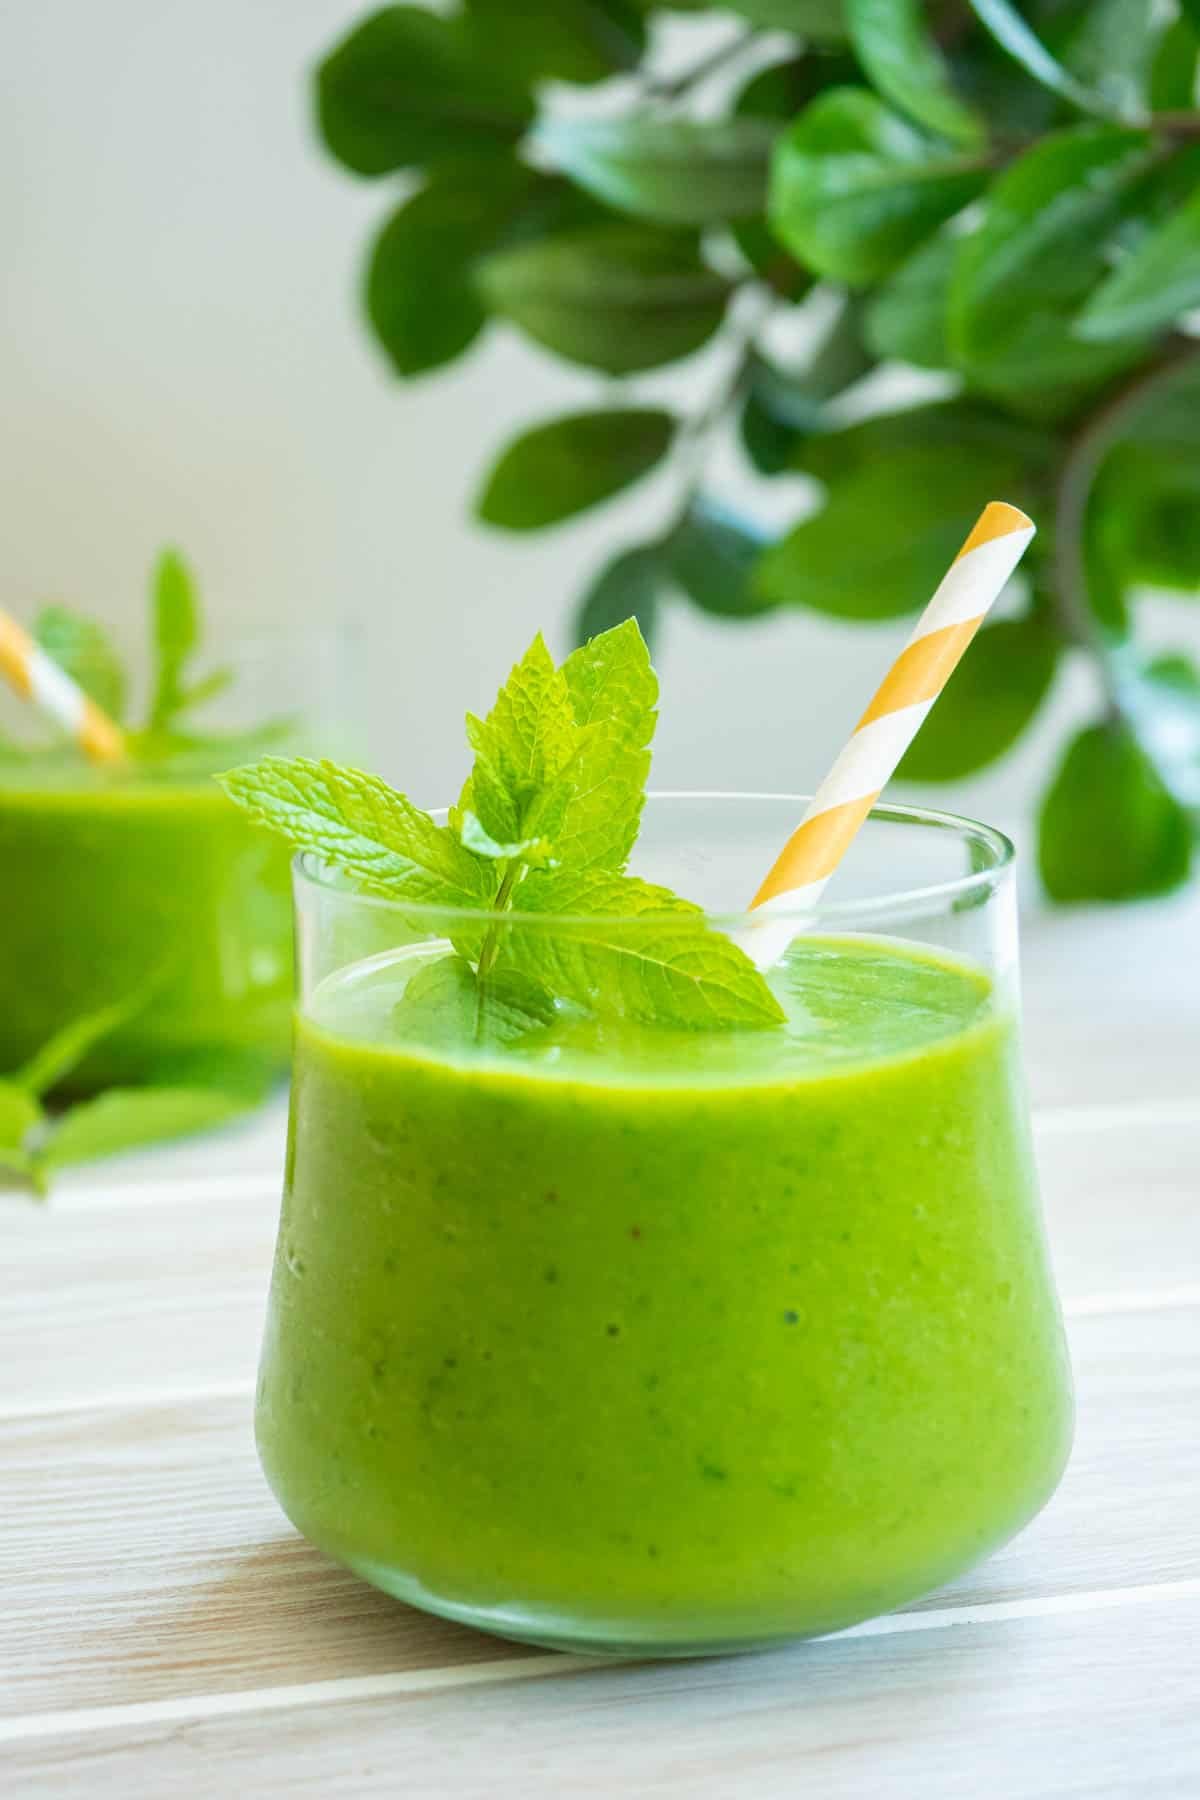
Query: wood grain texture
x=174, y=1573
x=1094, y=1705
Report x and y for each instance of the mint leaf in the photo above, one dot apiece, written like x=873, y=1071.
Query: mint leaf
x=19, y=1113
x=358, y=824
x=475, y=839
x=68, y=1047
x=20, y=1116
x=24, y=1164
x=84, y=652
x=207, y=688
x=628, y=948
x=126, y=1118
x=525, y=742
x=446, y=1006
x=613, y=692
x=175, y=614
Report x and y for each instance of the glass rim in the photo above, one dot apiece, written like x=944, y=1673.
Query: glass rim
x=309, y=872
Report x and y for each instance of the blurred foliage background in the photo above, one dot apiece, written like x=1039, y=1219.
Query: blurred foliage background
x=1004, y=197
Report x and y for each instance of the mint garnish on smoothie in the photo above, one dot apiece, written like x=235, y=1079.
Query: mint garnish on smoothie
x=543, y=828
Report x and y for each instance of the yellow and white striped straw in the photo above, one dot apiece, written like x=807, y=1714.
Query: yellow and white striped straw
x=902, y=701
x=37, y=677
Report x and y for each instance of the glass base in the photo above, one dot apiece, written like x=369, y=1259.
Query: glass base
x=543, y=1629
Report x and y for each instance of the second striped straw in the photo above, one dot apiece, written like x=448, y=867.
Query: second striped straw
x=37, y=677
x=837, y=810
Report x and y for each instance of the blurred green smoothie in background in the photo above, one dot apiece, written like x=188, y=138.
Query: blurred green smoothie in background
x=135, y=896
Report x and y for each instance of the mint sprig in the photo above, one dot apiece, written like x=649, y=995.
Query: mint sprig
x=544, y=826
x=83, y=649
x=176, y=632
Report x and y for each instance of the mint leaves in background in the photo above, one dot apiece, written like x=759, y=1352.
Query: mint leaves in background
x=166, y=739
x=187, y=1094
x=544, y=826
x=1003, y=192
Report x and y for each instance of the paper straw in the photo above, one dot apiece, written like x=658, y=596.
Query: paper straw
x=37, y=677
x=902, y=701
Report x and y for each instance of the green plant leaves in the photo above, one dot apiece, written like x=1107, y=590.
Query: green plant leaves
x=822, y=20
x=783, y=406
x=1022, y=276
x=560, y=40
x=83, y=650
x=854, y=189
x=990, y=700
x=1109, y=828
x=1110, y=48
x=1143, y=513
x=906, y=318
x=637, y=952
x=613, y=297
x=887, y=533
x=1014, y=35
x=406, y=87
x=558, y=470
x=1172, y=79
x=712, y=556
x=671, y=171
x=630, y=586
x=1154, y=284
x=357, y=823
x=1002, y=448
x=420, y=290
x=901, y=57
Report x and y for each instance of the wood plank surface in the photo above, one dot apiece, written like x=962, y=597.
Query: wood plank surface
x=175, y=1573
x=1097, y=1703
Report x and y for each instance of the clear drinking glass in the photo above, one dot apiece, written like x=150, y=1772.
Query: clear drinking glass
x=142, y=887
x=616, y=1338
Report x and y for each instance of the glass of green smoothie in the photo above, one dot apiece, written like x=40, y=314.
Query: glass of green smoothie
x=599, y=1328
x=134, y=895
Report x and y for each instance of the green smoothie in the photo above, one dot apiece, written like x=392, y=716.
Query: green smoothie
x=650, y=1338
x=118, y=885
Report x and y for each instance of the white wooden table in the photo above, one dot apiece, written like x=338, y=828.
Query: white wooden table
x=163, y=1631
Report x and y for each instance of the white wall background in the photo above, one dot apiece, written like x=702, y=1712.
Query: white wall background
x=181, y=359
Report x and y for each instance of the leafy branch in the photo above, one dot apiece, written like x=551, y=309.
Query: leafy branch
x=1008, y=196
x=1083, y=455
